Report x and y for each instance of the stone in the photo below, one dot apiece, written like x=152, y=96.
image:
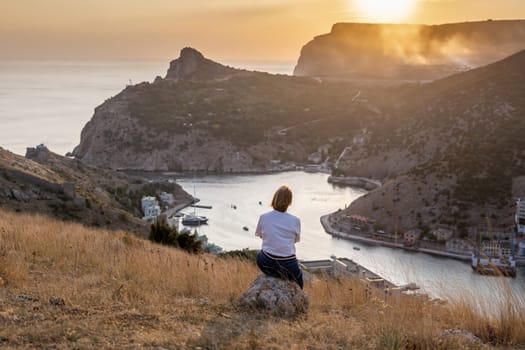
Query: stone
x=275, y=296
x=69, y=189
x=459, y=336
x=56, y=301
x=20, y=196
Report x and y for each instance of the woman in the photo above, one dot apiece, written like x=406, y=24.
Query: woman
x=279, y=231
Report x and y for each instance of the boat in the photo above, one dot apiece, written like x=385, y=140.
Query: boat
x=245, y=228
x=194, y=220
x=357, y=248
x=494, y=266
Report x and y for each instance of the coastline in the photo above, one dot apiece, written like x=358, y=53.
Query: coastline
x=325, y=222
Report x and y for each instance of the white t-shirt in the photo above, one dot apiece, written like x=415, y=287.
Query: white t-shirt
x=279, y=232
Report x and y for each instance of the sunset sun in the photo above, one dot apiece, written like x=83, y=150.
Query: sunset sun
x=384, y=10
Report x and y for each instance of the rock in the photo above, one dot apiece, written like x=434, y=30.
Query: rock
x=24, y=298
x=459, y=336
x=275, y=296
x=69, y=189
x=20, y=196
x=192, y=65
x=56, y=301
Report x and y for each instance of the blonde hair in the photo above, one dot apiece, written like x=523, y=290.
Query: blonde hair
x=282, y=199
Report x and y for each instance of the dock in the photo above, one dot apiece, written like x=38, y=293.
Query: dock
x=201, y=206
x=349, y=268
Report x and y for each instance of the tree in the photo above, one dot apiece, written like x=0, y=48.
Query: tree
x=161, y=233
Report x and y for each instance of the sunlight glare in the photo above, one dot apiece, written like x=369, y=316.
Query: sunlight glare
x=384, y=10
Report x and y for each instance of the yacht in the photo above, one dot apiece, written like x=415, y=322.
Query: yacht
x=194, y=220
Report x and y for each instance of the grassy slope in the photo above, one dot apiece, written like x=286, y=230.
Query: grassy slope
x=119, y=291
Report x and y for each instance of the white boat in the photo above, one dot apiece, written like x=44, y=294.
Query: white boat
x=194, y=220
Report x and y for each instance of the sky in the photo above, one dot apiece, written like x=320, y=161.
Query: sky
x=222, y=29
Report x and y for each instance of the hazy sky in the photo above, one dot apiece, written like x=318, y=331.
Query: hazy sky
x=221, y=29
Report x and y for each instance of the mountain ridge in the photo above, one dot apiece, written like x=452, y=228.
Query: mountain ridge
x=408, y=51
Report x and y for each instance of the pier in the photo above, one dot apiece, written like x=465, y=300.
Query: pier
x=201, y=206
x=349, y=268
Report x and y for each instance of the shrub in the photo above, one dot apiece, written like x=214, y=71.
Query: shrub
x=164, y=234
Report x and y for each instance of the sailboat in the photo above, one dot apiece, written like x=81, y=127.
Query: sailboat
x=194, y=219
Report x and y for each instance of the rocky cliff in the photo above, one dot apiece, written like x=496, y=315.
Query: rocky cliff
x=408, y=51
x=192, y=65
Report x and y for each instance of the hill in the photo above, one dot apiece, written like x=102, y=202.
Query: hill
x=451, y=152
x=408, y=51
x=66, y=286
x=220, y=120
x=44, y=182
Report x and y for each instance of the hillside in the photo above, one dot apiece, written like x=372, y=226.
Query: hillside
x=44, y=182
x=408, y=51
x=222, y=120
x=451, y=152
x=66, y=286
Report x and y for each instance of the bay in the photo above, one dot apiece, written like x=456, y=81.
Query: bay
x=313, y=197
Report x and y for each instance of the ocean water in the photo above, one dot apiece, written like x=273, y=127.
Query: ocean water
x=50, y=101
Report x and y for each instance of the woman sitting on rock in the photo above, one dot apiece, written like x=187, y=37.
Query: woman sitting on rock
x=279, y=231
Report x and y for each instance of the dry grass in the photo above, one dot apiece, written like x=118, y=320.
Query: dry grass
x=122, y=292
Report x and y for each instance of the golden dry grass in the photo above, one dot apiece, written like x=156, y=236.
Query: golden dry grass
x=123, y=292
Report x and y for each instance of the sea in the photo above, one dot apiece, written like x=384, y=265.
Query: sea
x=49, y=102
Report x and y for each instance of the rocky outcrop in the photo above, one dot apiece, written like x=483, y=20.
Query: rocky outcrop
x=408, y=51
x=192, y=65
x=276, y=297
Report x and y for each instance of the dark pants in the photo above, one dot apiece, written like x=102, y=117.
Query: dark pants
x=287, y=268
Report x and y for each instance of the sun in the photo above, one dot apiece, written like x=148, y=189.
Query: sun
x=384, y=10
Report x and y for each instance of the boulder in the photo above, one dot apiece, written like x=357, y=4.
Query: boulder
x=459, y=336
x=20, y=196
x=276, y=297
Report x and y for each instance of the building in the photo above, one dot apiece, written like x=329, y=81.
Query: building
x=411, y=236
x=443, y=234
x=150, y=207
x=167, y=198
x=520, y=216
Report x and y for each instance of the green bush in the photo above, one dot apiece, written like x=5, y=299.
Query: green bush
x=164, y=234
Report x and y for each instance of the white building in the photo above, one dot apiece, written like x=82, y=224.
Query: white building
x=442, y=234
x=150, y=207
x=520, y=216
x=152, y=212
x=167, y=198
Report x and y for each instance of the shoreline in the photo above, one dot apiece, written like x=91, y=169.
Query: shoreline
x=352, y=237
